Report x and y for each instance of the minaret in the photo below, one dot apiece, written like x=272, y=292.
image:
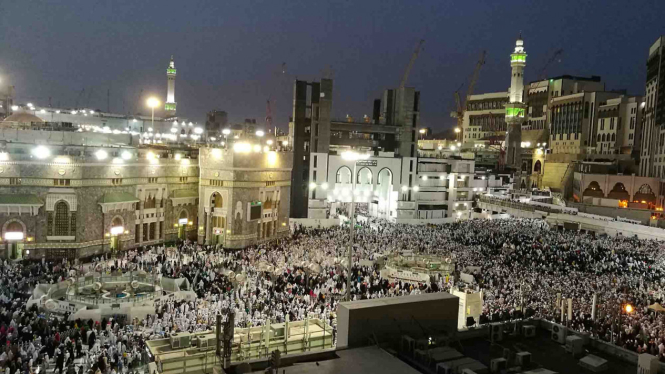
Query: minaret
x=515, y=107
x=170, y=104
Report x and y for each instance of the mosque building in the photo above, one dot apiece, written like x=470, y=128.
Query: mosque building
x=76, y=183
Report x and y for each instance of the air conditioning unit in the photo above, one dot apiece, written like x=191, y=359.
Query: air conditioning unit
x=468, y=371
x=529, y=331
x=498, y=364
x=574, y=345
x=559, y=333
x=496, y=332
x=523, y=359
x=181, y=340
x=202, y=341
x=647, y=364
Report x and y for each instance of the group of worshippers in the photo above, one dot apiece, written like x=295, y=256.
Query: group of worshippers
x=35, y=339
x=527, y=270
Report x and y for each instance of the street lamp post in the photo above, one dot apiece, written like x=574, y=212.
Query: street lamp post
x=352, y=156
x=457, y=131
x=153, y=103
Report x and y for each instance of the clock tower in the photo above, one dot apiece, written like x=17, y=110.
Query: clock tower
x=515, y=107
x=170, y=104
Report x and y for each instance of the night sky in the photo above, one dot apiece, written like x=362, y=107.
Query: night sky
x=229, y=54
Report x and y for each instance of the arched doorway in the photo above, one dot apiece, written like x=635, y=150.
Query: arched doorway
x=619, y=192
x=218, y=221
x=384, y=193
x=593, y=190
x=523, y=185
x=183, y=222
x=343, y=175
x=14, y=236
x=117, y=229
x=537, y=167
x=645, y=195
x=364, y=176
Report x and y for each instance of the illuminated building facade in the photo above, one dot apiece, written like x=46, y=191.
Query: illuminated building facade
x=70, y=194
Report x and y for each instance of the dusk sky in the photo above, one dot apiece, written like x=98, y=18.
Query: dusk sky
x=229, y=54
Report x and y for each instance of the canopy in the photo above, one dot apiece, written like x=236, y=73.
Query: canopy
x=657, y=307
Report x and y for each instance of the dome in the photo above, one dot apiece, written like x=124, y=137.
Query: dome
x=23, y=117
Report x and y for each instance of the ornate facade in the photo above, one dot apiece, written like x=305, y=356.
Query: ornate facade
x=85, y=198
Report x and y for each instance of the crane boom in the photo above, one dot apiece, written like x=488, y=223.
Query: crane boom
x=474, y=78
x=461, y=107
x=543, y=71
x=405, y=77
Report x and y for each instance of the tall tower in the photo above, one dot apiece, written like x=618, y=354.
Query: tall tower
x=170, y=104
x=515, y=107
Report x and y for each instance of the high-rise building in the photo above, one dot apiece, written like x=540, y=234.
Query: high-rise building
x=392, y=181
x=216, y=122
x=170, y=104
x=652, y=160
x=618, y=126
x=515, y=107
x=484, y=118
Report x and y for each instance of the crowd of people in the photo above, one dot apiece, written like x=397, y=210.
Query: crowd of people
x=527, y=270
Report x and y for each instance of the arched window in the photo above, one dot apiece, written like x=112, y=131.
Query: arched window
x=344, y=175
x=364, y=176
x=537, y=167
x=613, y=137
x=619, y=192
x=603, y=137
x=61, y=219
x=598, y=137
x=216, y=200
x=593, y=190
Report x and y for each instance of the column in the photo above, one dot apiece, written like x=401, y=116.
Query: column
x=208, y=227
x=140, y=221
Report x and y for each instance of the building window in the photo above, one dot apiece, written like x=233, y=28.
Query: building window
x=315, y=161
x=14, y=181
x=182, y=179
x=61, y=219
x=49, y=224
x=152, y=180
x=116, y=181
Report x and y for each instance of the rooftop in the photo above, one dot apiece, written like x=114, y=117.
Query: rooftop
x=366, y=360
x=593, y=78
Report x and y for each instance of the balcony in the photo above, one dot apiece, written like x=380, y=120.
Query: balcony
x=434, y=167
x=431, y=182
x=357, y=142
x=406, y=205
x=431, y=196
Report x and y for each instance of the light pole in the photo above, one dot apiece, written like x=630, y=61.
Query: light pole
x=422, y=133
x=457, y=131
x=153, y=103
x=352, y=156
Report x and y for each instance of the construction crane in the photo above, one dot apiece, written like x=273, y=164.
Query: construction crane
x=543, y=71
x=405, y=77
x=461, y=107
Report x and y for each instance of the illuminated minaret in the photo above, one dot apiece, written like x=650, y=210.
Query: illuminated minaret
x=515, y=106
x=170, y=104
